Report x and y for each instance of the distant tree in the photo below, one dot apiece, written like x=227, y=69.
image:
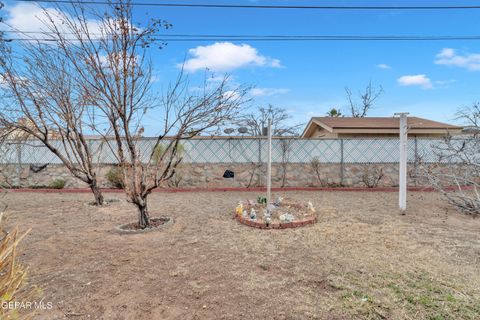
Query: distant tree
x=334, y=113
x=257, y=119
x=470, y=115
x=359, y=107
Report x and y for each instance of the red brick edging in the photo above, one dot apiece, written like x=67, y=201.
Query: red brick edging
x=276, y=225
x=180, y=190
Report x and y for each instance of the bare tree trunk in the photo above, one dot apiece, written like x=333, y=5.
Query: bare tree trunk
x=97, y=193
x=284, y=175
x=285, y=145
x=143, y=217
x=252, y=174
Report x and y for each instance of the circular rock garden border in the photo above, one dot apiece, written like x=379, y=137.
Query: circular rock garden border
x=275, y=225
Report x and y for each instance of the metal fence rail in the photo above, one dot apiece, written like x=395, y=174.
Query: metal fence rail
x=248, y=150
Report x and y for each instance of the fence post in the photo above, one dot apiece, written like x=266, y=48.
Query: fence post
x=416, y=160
x=259, y=163
x=19, y=163
x=269, y=164
x=402, y=196
x=342, y=164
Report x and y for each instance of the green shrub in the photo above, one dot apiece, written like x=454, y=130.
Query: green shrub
x=115, y=177
x=58, y=184
x=160, y=150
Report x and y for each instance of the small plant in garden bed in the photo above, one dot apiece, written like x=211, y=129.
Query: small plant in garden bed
x=262, y=200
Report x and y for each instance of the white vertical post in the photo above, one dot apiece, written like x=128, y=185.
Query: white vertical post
x=269, y=164
x=402, y=197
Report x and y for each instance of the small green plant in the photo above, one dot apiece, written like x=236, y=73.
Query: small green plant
x=58, y=184
x=159, y=151
x=262, y=200
x=114, y=177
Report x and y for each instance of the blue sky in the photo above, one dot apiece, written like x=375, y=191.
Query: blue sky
x=428, y=79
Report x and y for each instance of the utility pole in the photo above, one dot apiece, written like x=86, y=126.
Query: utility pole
x=402, y=196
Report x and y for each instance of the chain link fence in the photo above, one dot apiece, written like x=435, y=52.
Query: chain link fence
x=248, y=150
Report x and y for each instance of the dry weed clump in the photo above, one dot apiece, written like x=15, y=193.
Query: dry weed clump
x=16, y=297
x=372, y=176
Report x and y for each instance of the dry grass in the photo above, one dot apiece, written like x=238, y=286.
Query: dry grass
x=362, y=260
x=13, y=287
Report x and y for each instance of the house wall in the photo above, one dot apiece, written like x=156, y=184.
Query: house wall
x=322, y=133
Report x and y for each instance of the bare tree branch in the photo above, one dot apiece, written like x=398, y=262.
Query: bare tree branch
x=255, y=122
x=470, y=115
x=360, y=107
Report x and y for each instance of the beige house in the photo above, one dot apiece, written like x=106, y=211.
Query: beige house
x=373, y=127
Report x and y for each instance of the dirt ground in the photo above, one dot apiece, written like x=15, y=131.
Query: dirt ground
x=362, y=260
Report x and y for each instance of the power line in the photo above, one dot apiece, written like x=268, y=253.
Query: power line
x=241, y=6
x=186, y=37
x=282, y=38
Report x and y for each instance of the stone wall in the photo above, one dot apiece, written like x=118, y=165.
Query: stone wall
x=246, y=175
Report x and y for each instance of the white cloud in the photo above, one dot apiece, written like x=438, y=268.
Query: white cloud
x=155, y=78
x=450, y=57
x=268, y=92
x=383, y=66
x=226, y=56
x=445, y=82
x=27, y=17
x=31, y=17
x=420, y=80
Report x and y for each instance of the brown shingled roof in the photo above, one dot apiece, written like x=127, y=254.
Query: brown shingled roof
x=381, y=123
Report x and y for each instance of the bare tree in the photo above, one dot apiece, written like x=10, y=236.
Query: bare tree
x=359, y=107
x=470, y=116
x=315, y=166
x=286, y=147
x=458, y=165
x=255, y=121
x=114, y=67
x=43, y=101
